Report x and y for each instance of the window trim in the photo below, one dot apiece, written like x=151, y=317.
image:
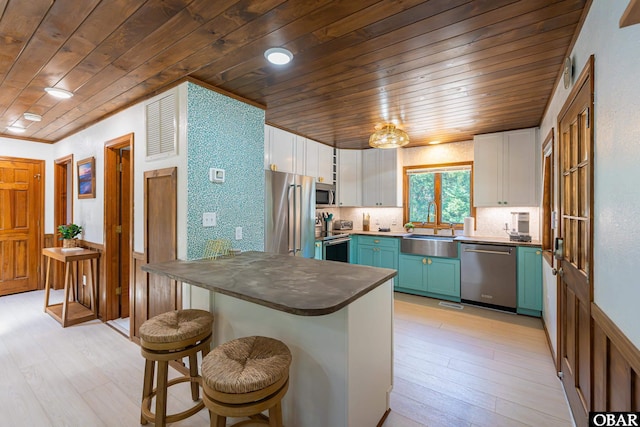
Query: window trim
x=438, y=191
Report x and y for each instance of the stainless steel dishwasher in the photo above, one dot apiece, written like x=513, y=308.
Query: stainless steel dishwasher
x=488, y=275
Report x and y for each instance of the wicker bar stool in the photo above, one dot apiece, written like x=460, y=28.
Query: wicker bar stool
x=244, y=377
x=166, y=337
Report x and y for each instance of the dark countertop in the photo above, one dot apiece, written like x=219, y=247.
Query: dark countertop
x=457, y=238
x=296, y=285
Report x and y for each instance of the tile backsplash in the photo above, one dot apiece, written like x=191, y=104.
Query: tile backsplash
x=489, y=221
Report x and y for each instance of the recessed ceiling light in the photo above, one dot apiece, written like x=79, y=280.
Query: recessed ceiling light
x=16, y=129
x=58, y=93
x=32, y=117
x=278, y=55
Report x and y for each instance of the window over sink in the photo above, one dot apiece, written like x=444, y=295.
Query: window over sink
x=438, y=196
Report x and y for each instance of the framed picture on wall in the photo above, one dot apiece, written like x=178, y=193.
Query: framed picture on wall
x=87, y=178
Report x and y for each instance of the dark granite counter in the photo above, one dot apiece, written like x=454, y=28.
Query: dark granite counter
x=458, y=238
x=296, y=285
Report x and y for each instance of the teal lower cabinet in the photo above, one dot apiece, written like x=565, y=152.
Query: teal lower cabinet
x=429, y=276
x=353, y=249
x=529, y=281
x=318, y=249
x=378, y=251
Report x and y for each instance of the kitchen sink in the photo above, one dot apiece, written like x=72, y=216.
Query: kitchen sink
x=430, y=245
x=430, y=237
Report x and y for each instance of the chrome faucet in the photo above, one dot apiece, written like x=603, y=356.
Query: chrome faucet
x=435, y=213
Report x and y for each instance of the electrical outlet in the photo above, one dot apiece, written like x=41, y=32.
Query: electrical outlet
x=209, y=219
x=394, y=222
x=238, y=233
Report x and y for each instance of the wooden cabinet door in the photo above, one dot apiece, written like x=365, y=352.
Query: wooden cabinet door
x=519, y=183
x=443, y=276
x=325, y=163
x=388, y=177
x=282, y=145
x=388, y=257
x=530, y=279
x=487, y=170
x=367, y=255
x=349, y=176
x=411, y=272
x=311, y=159
x=370, y=188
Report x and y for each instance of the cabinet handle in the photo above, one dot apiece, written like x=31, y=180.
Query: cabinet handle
x=273, y=167
x=504, y=203
x=499, y=202
x=538, y=252
x=376, y=241
x=429, y=261
x=424, y=260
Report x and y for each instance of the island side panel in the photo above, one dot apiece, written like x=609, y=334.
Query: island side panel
x=370, y=350
x=317, y=395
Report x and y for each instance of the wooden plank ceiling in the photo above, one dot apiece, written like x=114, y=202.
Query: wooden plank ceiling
x=443, y=70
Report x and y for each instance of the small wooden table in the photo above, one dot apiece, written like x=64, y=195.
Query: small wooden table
x=70, y=312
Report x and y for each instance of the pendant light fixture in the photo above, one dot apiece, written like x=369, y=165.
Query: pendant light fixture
x=389, y=136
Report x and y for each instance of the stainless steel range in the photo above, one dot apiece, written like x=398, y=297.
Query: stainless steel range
x=336, y=247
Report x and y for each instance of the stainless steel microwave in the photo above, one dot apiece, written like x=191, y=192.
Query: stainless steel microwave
x=325, y=195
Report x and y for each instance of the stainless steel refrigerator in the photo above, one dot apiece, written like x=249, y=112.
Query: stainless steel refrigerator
x=290, y=205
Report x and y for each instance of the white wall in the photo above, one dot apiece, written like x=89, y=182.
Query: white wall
x=617, y=151
x=89, y=213
x=90, y=142
x=38, y=151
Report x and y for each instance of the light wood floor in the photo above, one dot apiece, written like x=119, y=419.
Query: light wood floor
x=469, y=367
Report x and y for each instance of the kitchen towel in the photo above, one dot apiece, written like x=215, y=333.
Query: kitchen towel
x=468, y=227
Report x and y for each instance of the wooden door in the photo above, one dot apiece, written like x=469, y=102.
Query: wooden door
x=160, y=213
x=576, y=262
x=118, y=205
x=62, y=209
x=21, y=213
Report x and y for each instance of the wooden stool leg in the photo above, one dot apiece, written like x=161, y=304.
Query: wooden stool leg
x=275, y=415
x=216, y=420
x=161, y=393
x=193, y=372
x=147, y=385
x=67, y=285
x=47, y=285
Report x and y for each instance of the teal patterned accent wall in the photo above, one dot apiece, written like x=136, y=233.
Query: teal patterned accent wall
x=227, y=134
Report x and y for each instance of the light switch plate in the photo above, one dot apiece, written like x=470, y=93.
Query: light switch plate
x=238, y=233
x=209, y=219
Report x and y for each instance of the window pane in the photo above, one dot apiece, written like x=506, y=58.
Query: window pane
x=421, y=192
x=456, y=196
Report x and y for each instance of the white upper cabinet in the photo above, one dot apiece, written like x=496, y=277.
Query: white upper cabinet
x=505, y=171
x=382, y=177
x=319, y=161
x=283, y=151
x=349, y=185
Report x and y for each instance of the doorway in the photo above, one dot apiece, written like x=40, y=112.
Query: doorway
x=575, y=252
x=62, y=208
x=118, y=232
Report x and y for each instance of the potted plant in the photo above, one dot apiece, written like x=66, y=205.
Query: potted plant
x=409, y=227
x=68, y=233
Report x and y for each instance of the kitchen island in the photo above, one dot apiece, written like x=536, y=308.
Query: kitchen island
x=336, y=319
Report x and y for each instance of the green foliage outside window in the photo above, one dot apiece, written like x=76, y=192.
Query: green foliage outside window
x=449, y=190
